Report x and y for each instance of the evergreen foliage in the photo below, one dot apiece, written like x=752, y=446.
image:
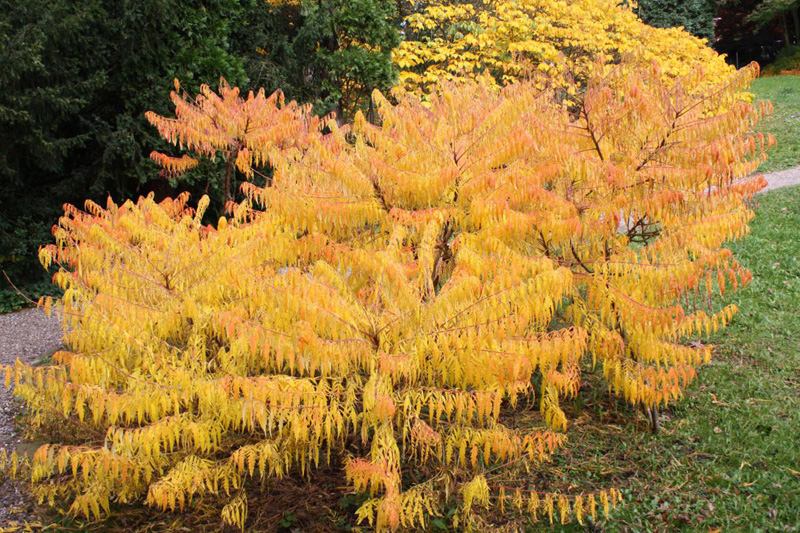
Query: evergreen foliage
x=329, y=53
x=696, y=16
x=76, y=79
x=350, y=44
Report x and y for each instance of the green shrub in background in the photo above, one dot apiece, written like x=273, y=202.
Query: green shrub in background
x=697, y=16
x=12, y=299
x=788, y=61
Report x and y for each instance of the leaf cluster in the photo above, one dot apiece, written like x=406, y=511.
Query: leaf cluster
x=511, y=40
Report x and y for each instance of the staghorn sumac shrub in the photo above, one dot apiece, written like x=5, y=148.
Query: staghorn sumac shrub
x=247, y=133
x=393, y=296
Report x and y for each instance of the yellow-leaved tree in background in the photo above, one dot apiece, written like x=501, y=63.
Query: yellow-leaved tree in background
x=393, y=296
x=511, y=39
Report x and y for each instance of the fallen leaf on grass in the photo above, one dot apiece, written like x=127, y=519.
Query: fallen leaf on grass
x=717, y=430
x=714, y=400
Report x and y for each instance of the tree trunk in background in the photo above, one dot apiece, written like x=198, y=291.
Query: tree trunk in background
x=226, y=192
x=786, y=39
x=796, y=19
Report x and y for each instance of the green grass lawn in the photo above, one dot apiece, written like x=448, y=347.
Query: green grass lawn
x=784, y=92
x=728, y=455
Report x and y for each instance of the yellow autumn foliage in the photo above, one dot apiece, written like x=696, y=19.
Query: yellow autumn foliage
x=392, y=295
x=510, y=40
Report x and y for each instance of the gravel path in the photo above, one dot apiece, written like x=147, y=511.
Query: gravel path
x=28, y=335
x=784, y=178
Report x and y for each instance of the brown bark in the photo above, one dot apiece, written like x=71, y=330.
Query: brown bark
x=226, y=188
x=785, y=27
